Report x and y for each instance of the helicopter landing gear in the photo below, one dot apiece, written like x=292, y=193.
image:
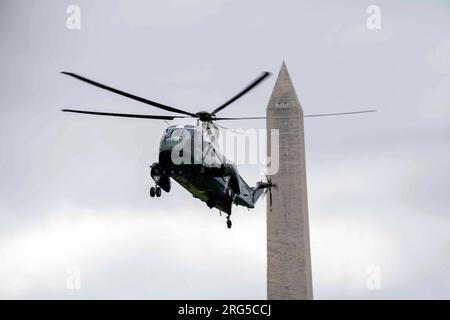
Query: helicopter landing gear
x=229, y=224
x=158, y=191
x=155, y=191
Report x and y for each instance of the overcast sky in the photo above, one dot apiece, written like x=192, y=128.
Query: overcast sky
x=74, y=189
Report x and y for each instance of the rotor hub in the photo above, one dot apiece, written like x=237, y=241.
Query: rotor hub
x=204, y=116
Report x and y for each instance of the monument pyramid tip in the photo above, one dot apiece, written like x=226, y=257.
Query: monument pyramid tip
x=283, y=73
x=284, y=88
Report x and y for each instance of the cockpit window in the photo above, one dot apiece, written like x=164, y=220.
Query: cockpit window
x=180, y=133
x=168, y=133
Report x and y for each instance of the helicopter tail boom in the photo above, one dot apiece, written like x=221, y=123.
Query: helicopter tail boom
x=261, y=189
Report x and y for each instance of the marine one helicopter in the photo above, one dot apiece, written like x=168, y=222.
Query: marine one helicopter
x=189, y=155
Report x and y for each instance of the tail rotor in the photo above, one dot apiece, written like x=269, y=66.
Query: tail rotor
x=268, y=189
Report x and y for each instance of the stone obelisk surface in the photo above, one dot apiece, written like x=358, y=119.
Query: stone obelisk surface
x=288, y=250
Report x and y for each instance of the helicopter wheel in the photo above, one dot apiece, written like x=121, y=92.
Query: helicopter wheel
x=152, y=192
x=158, y=192
x=229, y=224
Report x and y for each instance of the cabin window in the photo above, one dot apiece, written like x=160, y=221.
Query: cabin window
x=168, y=133
x=176, y=133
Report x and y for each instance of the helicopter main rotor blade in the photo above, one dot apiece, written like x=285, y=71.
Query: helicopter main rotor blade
x=336, y=114
x=240, y=94
x=241, y=118
x=124, y=115
x=305, y=116
x=128, y=95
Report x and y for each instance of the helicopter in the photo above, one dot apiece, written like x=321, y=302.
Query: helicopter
x=189, y=154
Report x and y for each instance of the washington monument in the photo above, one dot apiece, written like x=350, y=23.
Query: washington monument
x=288, y=249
